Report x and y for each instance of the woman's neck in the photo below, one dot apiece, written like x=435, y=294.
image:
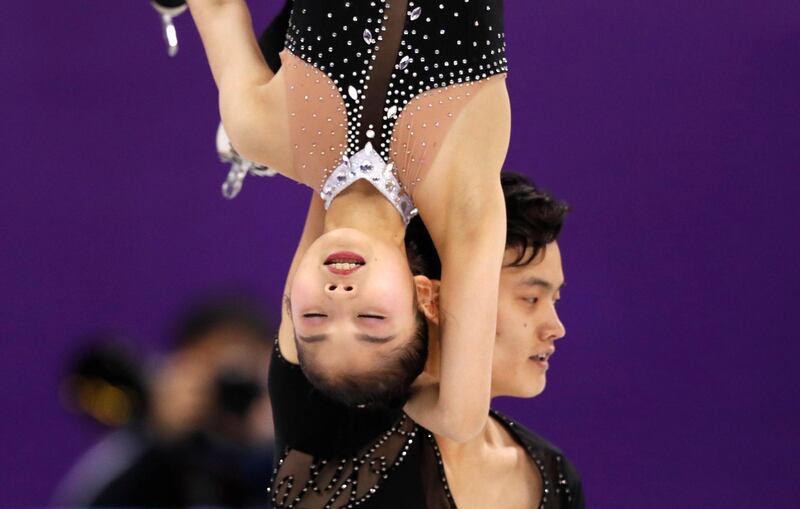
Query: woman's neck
x=364, y=208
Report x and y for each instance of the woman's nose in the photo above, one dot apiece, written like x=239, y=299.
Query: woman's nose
x=334, y=289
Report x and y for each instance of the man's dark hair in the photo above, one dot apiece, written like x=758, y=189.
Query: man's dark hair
x=533, y=219
x=387, y=386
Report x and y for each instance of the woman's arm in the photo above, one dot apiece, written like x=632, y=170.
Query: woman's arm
x=456, y=405
x=468, y=227
x=226, y=30
x=311, y=231
x=252, y=111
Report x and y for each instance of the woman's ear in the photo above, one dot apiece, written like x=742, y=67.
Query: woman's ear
x=428, y=297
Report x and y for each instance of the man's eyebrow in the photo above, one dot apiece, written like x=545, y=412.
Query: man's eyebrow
x=313, y=339
x=547, y=285
x=372, y=339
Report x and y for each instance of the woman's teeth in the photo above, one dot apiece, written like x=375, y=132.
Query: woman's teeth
x=344, y=266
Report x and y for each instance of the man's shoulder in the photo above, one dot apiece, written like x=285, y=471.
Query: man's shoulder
x=563, y=476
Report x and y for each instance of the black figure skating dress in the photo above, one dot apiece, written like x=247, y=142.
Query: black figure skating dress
x=374, y=86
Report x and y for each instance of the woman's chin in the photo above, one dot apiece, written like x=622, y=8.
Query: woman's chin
x=343, y=239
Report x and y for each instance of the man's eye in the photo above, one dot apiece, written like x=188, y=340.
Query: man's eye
x=532, y=300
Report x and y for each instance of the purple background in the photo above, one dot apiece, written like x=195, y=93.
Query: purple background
x=673, y=128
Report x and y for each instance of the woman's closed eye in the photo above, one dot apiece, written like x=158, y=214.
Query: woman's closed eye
x=314, y=315
x=372, y=317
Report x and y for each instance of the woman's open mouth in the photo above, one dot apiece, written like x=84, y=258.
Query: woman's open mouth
x=344, y=263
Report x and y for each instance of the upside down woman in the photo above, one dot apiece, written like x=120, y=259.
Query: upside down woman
x=386, y=110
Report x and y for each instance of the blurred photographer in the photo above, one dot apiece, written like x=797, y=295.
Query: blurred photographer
x=207, y=437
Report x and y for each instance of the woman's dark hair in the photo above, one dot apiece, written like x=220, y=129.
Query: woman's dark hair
x=533, y=219
x=387, y=386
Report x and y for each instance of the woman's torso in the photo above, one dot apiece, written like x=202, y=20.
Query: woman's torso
x=397, y=77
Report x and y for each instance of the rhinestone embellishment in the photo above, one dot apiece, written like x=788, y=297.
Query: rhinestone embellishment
x=404, y=62
x=239, y=166
x=352, y=92
x=367, y=164
x=368, y=37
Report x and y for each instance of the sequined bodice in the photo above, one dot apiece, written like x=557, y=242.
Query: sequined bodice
x=383, y=81
x=334, y=456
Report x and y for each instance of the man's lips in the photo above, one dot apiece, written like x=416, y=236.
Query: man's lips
x=343, y=263
x=542, y=358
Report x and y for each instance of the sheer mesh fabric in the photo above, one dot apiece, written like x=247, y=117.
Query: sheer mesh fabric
x=423, y=125
x=303, y=481
x=318, y=123
x=337, y=103
x=317, y=120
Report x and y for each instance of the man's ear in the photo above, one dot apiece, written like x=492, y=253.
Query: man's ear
x=428, y=297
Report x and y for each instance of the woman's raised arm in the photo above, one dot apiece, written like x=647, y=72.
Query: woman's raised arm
x=253, y=113
x=233, y=54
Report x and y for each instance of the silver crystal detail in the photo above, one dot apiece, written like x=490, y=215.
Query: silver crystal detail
x=415, y=13
x=369, y=165
x=404, y=62
x=239, y=166
x=368, y=37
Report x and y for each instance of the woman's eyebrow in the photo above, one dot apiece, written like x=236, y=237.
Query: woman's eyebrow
x=372, y=339
x=313, y=339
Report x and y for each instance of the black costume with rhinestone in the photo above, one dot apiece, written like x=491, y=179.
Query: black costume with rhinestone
x=381, y=54
x=339, y=457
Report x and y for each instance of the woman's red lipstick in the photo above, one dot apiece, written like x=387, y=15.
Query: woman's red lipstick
x=343, y=263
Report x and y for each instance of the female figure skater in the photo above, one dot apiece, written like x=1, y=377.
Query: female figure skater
x=385, y=109
x=339, y=456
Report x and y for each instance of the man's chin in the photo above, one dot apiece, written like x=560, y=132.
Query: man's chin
x=534, y=390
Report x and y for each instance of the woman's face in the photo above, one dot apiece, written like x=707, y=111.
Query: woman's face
x=352, y=301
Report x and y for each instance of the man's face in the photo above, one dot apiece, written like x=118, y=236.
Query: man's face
x=527, y=323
